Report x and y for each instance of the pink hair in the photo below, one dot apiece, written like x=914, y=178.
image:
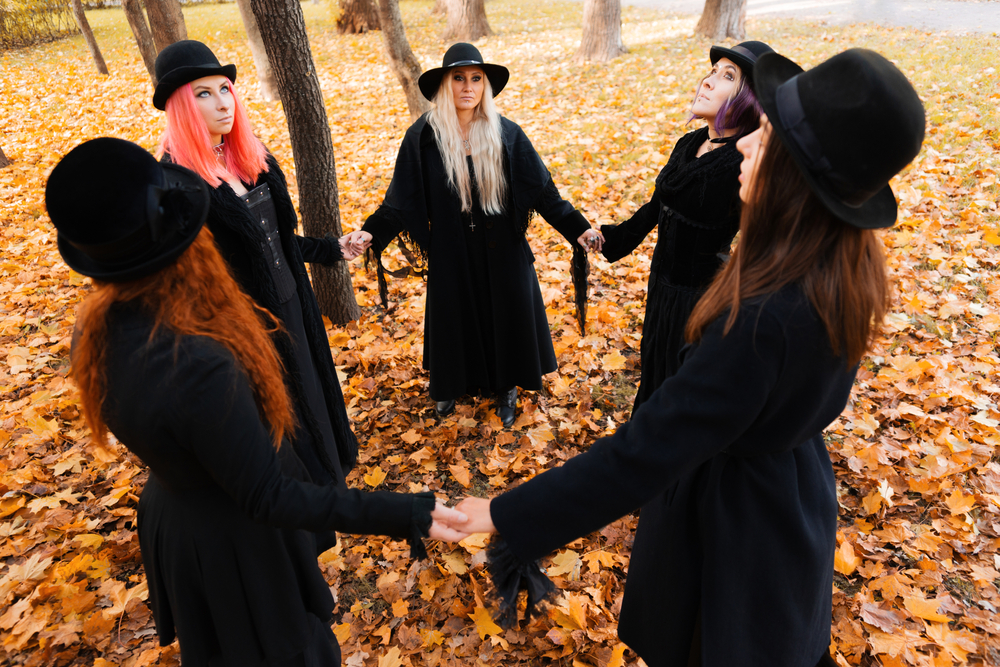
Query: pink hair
x=189, y=144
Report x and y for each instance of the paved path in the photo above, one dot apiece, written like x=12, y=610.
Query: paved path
x=938, y=15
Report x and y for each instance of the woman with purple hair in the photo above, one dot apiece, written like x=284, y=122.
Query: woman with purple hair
x=697, y=207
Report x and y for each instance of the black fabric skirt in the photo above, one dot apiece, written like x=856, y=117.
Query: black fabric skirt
x=668, y=307
x=233, y=592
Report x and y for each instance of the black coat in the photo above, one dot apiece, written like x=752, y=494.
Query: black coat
x=697, y=208
x=241, y=241
x=729, y=454
x=485, y=325
x=223, y=517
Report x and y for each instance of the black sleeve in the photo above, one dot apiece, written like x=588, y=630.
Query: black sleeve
x=217, y=418
x=319, y=251
x=621, y=240
x=384, y=224
x=560, y=213
x=718, y=393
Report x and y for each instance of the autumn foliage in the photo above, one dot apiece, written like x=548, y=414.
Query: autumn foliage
x=915, y=452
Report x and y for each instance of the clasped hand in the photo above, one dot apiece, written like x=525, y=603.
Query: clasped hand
x=354, y=244
x=472, y=515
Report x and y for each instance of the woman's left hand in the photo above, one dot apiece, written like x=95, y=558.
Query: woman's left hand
x=591, y=240
x=354, y=244
x=478, y=510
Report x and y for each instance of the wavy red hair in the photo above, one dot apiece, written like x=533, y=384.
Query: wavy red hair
x=189, y=144
x=195, y=296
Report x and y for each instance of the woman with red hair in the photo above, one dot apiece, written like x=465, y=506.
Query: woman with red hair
x=253, y=221
x=175, y=360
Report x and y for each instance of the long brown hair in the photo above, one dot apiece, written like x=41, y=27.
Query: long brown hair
x=195, y=296
x=787, y=235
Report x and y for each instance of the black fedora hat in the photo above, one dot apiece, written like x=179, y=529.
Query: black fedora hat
x=851, y=124
x=183, y=62
x=462, y=55
x=121, y=215
x=744, y=55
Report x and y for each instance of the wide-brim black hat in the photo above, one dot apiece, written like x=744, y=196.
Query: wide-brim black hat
x=744, y=55
x=850, y=123
x=183, y=62
x=121, y=215
x=462, y=55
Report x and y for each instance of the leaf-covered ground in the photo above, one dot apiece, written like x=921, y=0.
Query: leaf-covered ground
x=915, y=452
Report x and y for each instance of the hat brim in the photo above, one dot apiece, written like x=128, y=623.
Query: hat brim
x=181, y=75
x=879, y=211
x=198, y=197
x=746, y=65
x=430, y=81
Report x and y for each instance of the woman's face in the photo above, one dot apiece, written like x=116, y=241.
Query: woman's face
x=467, y=85
x=752, y=147
x=716, y=89
x=214, y=95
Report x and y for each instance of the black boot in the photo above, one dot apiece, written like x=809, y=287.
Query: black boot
x=507, y=406
x=444, y=408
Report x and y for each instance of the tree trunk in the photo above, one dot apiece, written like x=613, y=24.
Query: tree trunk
x=265, y=74
x=3, y=159
x=401, y=59
x=166, y=22
x=358, y=16
x=602, y=31
x=288, y=50
x=466, y=21
x=143, y=38
x=88, y=36
x=439, y=8
x=722, y=19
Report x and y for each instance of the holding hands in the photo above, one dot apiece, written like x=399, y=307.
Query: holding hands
x=354, y=244
x=591, y=240
x=472, y=515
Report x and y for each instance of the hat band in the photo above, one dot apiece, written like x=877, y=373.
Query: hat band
x=462, y=63
x=745, y=52
x=793, y=119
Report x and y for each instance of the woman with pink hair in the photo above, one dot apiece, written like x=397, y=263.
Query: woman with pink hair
x=253, y=221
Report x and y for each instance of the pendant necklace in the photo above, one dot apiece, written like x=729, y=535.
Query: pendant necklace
x=218, y=150
x=467, y=145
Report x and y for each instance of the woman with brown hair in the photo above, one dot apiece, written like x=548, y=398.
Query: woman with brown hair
x=174, y=360
x=727, y=456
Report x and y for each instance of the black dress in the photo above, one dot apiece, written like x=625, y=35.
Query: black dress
x=485, y=327
x=696, y=205
x=224, y=519
x=731, y=450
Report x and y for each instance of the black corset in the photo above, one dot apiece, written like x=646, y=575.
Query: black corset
x=261, y=208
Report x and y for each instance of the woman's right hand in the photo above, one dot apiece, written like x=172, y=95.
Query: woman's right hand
x=478, y=511
x=354, y=244
x=448, y=524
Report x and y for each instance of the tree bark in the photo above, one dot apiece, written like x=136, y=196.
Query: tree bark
x=3, y=159
x=166, y=22
x=358, y=16
x=466, y=21
x=143, y=38
x=602, y=31
x=288, y=50
x=722, y=19
x=88, y=36
x=439, y=8
x=265, y=73
x=404, y=64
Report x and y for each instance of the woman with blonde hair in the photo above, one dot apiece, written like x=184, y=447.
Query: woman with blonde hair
x=465, y=185
x=174, y=359
x=253, y=222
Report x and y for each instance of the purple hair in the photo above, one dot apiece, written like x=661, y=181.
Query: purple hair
x=740, y=112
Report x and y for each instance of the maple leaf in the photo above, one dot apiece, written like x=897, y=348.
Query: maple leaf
x=484, y=623
x=565, y=563
x=374, y=476
x=925, y=609
x=391, y=658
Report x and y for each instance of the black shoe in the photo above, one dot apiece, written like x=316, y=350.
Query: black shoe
x=507, y=406
x=444, y=408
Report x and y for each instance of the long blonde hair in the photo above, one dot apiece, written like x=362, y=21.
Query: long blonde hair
x=487, y=147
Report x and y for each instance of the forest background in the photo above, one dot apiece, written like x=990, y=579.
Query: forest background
x=915, y=452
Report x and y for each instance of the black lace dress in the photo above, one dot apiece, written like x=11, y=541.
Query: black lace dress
x=696, y=205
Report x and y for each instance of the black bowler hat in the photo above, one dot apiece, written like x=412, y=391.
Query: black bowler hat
x=851, y=124
x=120, y=214
x=183, y=62
x=744, y=55
x=462, y=55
